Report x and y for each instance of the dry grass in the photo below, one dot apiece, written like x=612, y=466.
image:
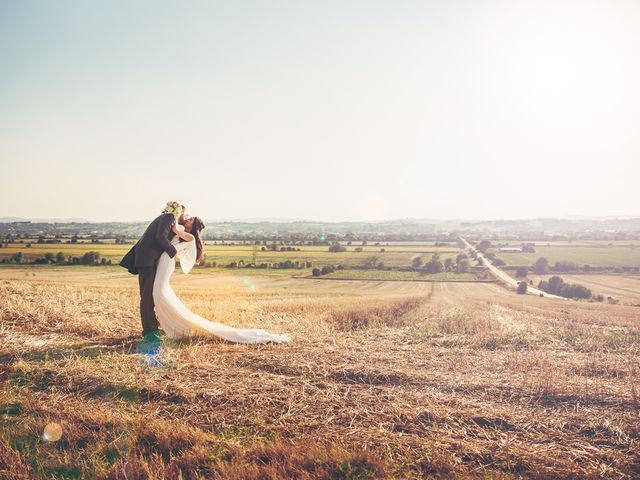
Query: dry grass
x=451, y=381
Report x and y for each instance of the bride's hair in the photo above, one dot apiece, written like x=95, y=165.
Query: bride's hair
x=198, y=226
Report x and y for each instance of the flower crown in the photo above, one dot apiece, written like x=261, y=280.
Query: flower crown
x=174, y=208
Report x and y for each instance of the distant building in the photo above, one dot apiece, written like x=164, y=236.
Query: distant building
x=510, y=249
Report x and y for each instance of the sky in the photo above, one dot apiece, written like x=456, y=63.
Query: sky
x=323, y=110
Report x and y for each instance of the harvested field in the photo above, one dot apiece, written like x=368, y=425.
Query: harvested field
x=381, y=380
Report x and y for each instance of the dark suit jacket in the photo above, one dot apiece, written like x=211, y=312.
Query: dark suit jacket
x=155, y=240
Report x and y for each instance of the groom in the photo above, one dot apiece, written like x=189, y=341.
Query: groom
x=142, y=257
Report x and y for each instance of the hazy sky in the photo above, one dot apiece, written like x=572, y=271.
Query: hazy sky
x=327, y=110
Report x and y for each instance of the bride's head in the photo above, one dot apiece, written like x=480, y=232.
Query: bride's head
x=194, y=226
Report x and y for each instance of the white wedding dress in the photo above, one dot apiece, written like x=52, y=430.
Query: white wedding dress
x=177, y=320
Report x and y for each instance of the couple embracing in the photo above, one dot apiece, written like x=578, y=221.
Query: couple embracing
x=174, y=235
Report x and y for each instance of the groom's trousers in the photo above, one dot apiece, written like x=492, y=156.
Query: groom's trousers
x=146, y=277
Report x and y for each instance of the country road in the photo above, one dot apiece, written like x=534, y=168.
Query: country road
x=505, y=277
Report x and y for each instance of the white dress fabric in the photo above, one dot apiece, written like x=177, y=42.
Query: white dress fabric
x=178, y=321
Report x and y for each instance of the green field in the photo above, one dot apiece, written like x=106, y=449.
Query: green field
x=394, y=255
x=396, y=275
x=594, y=255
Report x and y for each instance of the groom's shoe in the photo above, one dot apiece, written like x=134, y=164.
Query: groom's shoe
x=150, y=342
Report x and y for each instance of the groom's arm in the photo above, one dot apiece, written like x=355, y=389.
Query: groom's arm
x=162, y=234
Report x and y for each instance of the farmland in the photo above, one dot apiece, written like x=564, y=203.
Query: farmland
x=382, y=379
x=594, y=255
x=399, y=275
x=394, y=254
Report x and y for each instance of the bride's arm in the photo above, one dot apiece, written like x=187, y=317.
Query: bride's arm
x=186, y=236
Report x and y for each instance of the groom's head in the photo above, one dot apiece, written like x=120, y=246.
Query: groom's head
x=183, y=216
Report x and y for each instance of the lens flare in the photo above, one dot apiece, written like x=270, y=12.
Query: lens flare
x=52, y=432
x=249, y=283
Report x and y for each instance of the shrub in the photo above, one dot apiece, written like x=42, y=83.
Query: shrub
x=90, y=258
x=522, y=272
x=463, y=265
x=565, y=266
x=556, y=286
x=541, y=265
x=327, y=269
x=484, y=245
x=434, y=266
x=315, y=272
x=337, y=248
x=522, y=288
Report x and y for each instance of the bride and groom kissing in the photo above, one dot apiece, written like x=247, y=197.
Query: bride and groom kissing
x=174, y=235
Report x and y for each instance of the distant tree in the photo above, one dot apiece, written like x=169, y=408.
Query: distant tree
x=484, y=245
x=575, y=291
x=521, y=272
x=327, y=269
x=416, y=262
x=449, y=264
x=337, y=248
x=565, y=266
x=461, y=257
x=382, y=250
x=434, y=266
x=17, y=257
x=315, y=272
x=541, y=266
x=522, y=288
x=90, y=258
x=371, y=261
x=358, y=249
x=463, y=265
x=555, y=285
x=49, y=257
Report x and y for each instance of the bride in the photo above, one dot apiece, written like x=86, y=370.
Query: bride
x=174, y=317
